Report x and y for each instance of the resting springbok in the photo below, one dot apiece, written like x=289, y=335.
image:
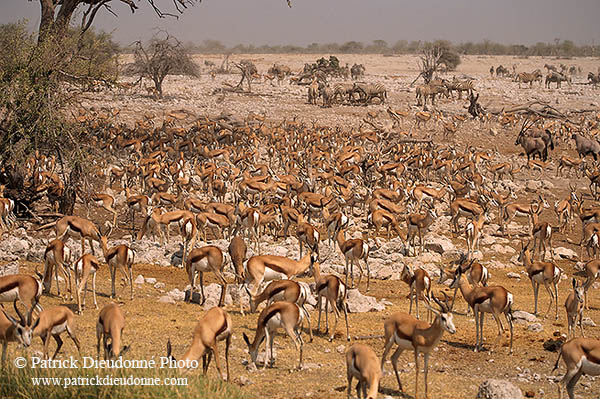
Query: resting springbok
x=214, y=326
x=581, y=356
x=363, y=364
x=284, y=315
x=493, y=299
x=574, y=308
x=421, y=337
x=541, y=273
x=110, y=325
x=420, y=287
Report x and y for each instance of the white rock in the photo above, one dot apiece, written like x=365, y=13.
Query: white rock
x=513, y=275
x=150, y=280
x=535, y=327
x=139, y=279
x=519, y=314
x=587, y=322
x=565, y=253
x=498, y=389
x=359, y=303
x=439, y=244
x=166, y=299
x=159, y=285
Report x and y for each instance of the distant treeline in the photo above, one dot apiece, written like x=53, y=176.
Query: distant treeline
x=559, y=48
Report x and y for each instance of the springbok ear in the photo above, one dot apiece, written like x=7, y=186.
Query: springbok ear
x=574, y=282
x=169, y=348
x=246, y=339
x=125, y=350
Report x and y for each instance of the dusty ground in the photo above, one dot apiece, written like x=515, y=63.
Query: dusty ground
x=455, y=371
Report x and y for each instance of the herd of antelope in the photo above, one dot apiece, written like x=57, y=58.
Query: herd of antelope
x=332, y=189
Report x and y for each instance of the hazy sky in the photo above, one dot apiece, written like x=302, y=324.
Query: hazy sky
x=323, y=21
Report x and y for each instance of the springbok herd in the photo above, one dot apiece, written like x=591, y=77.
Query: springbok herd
x=337, y=190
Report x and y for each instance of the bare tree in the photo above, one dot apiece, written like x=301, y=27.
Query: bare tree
x=248, y=70
x=430, y=62
x=163, y=56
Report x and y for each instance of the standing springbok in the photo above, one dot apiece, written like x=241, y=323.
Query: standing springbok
x=592, y=271
x=121, y=257
x=333, y=289
x=57, y=257
x=496, y=300
x=362, y=363
x=418, y=224
x=581, y=356
x=284, y=315
x=85, y=266
x=110, y=325
x=477, y=273
x=541, y=273
x=473, y=231
x=574, y=308
x=409, y=333
x=237, y=252
x=420, y=287
x=354, y=250
x=216, y=325
x=201, y=260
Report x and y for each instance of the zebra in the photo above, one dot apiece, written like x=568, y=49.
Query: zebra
x=327, y=93
x=340, y=90
x=357, y=71
x=460, y=86
x=526, y=77
x=593, y=78
x=501, y=71
x=556, y=77
x=369, y=91
x=431, y=91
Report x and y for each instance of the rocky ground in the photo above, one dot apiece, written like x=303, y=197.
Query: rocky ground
x=159, y=311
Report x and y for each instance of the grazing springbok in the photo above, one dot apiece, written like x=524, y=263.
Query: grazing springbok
x=110, y=325
x=76, y=227
x=574, y=308
x=51, y=322
x=281, y=314
x=419, y=283
x=284, y=290
x=363, y=364
x=409, y=333
x=27, y=289
x=270, y=267
x=492, y=299
x=541, y=273
x=214, y=326
x=581, y=356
